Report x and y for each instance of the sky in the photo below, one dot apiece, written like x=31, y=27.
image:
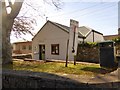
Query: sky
x=100, y=15
x=119, y=14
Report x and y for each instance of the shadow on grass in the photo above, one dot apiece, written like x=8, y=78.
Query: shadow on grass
x=97, y=70
x=7, y=66
x=28, y=79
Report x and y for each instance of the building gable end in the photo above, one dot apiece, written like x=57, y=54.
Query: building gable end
x=53, y=24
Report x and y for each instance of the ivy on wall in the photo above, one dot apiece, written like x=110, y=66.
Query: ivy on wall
x=89, y=44
x=116, y=40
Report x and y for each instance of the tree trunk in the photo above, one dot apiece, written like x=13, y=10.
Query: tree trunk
x=6, y=45
x=6, y=29
x=7, y=23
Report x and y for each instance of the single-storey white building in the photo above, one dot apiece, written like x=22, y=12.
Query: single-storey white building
x=56, y=41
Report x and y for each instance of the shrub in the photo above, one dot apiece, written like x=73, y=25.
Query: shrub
x=116, y=40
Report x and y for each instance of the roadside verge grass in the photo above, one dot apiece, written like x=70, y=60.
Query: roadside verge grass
x=55, y=67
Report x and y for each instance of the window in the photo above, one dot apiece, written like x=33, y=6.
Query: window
x=23, y=47
x=30, y=47
x=55, y=49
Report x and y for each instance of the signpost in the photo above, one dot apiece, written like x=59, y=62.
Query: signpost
x=73, y=40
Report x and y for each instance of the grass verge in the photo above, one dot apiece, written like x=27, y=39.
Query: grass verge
x=55, y=67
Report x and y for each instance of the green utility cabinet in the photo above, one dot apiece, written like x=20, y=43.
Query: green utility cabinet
x=107, y=53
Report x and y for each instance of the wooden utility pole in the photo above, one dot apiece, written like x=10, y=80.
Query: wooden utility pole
x=67, y=54
x=75, y=60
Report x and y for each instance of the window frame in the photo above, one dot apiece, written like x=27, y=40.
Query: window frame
x=53, y=49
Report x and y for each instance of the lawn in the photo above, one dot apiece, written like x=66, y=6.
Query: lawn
x=55, y=67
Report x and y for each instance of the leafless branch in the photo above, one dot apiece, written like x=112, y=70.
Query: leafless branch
x=33, y=9
x=23, y=25
x=56, y=3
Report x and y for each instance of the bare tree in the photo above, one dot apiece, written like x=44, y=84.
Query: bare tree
x=19, y=25
x=23, y=25
x=7, y=23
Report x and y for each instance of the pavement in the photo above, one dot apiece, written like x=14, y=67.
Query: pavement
x=109, y=80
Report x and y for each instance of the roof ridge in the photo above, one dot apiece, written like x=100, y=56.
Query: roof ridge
x=86, y=32
x=61, y=24
x=66, y=28
x=87, y=27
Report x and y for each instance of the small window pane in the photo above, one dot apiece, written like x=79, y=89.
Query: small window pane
x=55, y=49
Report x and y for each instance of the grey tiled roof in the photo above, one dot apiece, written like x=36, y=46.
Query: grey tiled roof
x=62, y=26
x=84, y=30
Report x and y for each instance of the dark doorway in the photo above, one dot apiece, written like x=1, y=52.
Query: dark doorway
x=41, y=52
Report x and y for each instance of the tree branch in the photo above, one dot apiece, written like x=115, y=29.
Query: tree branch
x=15, y=9
x=56, y=4
x=23, y=25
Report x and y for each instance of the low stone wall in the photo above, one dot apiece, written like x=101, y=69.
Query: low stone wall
x=22, y=79
x=22, y=56
x=25, y=79
x=91, y=54
x=118, y=49
x=88, y=54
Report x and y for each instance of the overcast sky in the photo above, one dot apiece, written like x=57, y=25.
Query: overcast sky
x=101, y=15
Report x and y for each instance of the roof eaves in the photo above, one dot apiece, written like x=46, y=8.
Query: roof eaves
x=81, y=34
x=22, y=42
x=97, y=32
x=88, y=33
x=91, y=31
